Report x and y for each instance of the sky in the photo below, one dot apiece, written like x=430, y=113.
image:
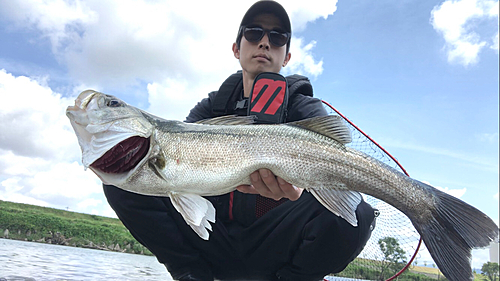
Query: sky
x=420, y=77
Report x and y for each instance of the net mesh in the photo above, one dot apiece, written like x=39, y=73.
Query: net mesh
x=394, y=240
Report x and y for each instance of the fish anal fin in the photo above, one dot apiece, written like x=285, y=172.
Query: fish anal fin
x=196, y=211
x=341, y=202
x=332, y=126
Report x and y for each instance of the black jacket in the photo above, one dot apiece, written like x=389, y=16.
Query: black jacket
x=300, y=107
x=237, y=206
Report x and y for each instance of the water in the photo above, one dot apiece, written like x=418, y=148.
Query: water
x=29, y=261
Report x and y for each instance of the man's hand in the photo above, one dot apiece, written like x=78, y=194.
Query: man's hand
x=265, y=183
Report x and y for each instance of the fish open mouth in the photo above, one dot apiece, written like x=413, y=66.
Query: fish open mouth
x=124, y=156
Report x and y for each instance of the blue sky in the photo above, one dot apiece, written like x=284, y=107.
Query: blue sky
x=420, y=77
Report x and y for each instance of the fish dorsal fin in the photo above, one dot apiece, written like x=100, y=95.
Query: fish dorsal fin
x=228, y=120
x=341, y=202
x=196, y=211
x=332, y=126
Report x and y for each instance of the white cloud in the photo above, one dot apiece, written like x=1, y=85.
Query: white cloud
x=66, y=180
x=9, y=191
x=459, y=23
x=494, y=46
x=125, y=42
x=105, y=210
x=90, y=202
x=38, y=148
x=479, y=257
x=301, y=12
x=454, y=192
x=302, y=61
x=180, y=53
x=53, y=183
x=33, y=119
x=172, y=99
x=49, y=17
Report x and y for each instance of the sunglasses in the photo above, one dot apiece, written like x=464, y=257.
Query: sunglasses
x=255, y=34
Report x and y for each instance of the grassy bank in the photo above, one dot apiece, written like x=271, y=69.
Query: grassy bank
x=48, y=225
x=371, y=270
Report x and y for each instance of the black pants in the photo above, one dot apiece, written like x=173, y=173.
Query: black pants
x=298, y=240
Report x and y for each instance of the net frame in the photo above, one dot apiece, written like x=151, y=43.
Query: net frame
x=363, y=142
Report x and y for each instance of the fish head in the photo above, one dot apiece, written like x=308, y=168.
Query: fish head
x=110, y=132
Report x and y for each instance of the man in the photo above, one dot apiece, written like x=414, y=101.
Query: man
x=269, y=230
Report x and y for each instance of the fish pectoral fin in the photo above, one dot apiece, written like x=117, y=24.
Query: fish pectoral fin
x=196, y=211
x=342, y=203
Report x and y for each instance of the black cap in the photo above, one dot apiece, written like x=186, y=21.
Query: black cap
x=265, y=7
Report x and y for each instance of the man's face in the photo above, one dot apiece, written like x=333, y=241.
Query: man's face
x=261, y=56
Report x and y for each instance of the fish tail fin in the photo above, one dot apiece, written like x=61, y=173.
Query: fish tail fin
x=455, y=230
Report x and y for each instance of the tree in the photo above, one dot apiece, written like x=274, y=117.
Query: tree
x=490, y=269
x=394, y=256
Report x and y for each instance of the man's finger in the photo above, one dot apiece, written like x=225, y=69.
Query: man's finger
x=271, y=183
x=247, y=189
x=260, y=180
x=265, y=183
x=291, y=192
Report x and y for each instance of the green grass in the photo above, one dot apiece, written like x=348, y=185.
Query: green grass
x=370, y=270
x=41, y=224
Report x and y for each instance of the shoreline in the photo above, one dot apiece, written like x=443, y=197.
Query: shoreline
x=103, y=247
x=31, y=223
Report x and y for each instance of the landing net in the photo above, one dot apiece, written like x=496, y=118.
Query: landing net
x=394, y=231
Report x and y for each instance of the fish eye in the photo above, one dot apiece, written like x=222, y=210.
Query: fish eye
x=113, y=103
